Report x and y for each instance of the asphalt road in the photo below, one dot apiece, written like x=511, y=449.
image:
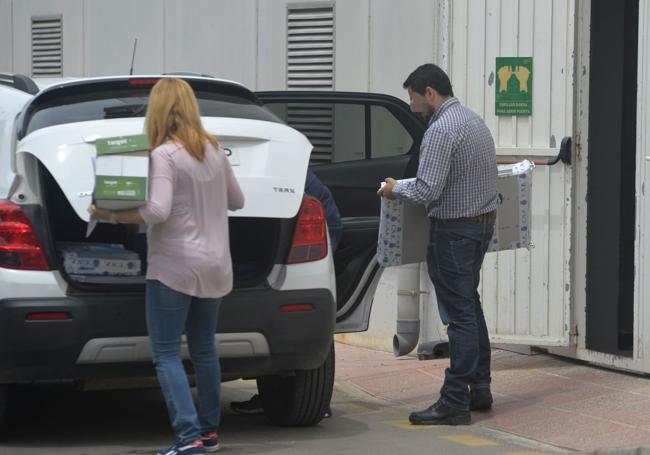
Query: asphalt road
x=62, y=421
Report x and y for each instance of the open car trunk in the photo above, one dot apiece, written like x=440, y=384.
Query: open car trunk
x=256, y=243
x=59, y=128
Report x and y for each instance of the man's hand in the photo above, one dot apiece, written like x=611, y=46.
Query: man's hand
x=387, y=190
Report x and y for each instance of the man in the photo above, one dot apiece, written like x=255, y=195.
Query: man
x=456, y=181
x=313, y=187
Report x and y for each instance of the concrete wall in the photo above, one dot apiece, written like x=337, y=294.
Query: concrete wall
x=109, y=34
x=73, y=36
x=212, y=37
x=377, y=42
x=6, y=37
x=401, y=39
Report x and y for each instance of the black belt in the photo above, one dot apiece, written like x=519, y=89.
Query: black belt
x=489, y=217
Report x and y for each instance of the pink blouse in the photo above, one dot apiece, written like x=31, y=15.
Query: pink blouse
x=187, y=219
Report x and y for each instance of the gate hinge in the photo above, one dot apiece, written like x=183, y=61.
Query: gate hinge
x=574, y=334
x=578, y=147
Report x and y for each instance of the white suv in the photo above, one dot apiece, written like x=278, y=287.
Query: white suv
x=291, y=292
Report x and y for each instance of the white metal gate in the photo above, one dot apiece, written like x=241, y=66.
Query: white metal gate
x=526, y=294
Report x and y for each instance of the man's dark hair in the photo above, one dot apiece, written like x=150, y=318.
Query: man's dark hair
x=429, y=75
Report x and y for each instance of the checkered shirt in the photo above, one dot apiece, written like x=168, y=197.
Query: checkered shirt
x=457, y=175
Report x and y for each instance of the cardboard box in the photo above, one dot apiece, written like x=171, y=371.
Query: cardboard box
x=512, y=229
x=404, y=227
x=403, y=233
x=99, y=259
x=122, y=172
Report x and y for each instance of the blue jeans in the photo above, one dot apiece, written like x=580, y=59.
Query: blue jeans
x=454, y=257
x=169, y=313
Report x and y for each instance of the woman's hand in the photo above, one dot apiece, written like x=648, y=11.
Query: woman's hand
x=116, y=217
x=99, y=214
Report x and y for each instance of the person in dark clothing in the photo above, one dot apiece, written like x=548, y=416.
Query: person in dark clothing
x=313, y=187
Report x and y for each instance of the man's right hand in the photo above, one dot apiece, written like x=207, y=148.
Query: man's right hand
x=387, y=190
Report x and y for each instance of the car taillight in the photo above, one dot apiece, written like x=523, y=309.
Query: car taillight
x=310, y=237
x=19, y=247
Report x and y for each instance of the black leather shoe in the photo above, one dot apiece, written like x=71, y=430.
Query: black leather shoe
x=480, y=399
x=440, y=414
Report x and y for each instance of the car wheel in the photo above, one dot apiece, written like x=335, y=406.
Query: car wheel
x=299, y=400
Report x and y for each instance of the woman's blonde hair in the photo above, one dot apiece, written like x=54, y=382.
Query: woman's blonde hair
x=173, y=115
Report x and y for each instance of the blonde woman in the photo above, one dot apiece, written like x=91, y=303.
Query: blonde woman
x=192, y=187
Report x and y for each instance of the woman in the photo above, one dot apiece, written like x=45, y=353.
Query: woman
x=192, y=186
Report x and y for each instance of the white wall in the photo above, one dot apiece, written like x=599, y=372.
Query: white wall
x=6, y=37
x=401, y=39
x=72, y=11
x=212, y=37
x=351, y=44
x=377, y=42
x=271, y=45
x=109, y=34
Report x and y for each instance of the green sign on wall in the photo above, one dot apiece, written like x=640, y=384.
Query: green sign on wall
x=514, y=86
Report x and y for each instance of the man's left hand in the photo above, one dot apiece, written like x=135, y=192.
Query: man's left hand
x=387, y=190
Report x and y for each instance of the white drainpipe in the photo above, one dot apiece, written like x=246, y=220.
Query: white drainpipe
x=408, y=309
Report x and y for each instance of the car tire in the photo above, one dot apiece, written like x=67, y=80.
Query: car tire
x=299, y=400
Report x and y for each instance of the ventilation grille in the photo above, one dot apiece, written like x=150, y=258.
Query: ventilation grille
x=47, y=46
x=310, y=66
x=315, y=122
x=310, y=48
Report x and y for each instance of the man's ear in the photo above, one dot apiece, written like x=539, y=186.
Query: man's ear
x=430, y=93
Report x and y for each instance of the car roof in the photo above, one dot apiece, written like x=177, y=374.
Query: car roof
x=47, y=84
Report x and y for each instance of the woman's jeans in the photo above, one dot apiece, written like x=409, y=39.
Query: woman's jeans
x=455, y=254
x=169, y=313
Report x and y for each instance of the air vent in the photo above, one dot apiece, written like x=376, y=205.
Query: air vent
x=47, y=46
x=310, y=66
x=316, y=121
x=310, y=48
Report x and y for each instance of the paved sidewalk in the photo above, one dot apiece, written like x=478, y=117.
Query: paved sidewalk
x=549, y=399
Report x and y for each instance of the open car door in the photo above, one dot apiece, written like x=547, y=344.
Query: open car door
x=359, y=139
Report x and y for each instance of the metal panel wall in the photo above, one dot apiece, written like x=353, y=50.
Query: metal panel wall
x=212, y=37
x=73, y=38
x=525, y=293
x=6, y=38
x=109, y=35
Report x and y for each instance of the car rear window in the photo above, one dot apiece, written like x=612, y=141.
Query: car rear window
x=118, y=99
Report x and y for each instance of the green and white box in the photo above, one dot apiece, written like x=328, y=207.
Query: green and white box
x=122, y=172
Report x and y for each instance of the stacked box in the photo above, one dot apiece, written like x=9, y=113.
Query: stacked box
x=512, y=228
x=403, y=231
x=99, y=259
x=121, y=172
